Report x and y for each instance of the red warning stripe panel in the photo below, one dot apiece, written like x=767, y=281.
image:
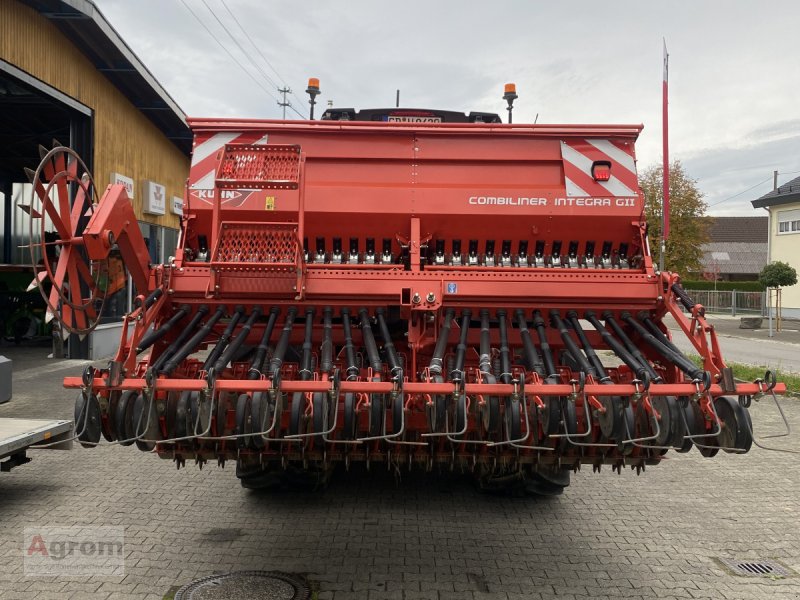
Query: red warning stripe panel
x=204, y=155
x=578, y=157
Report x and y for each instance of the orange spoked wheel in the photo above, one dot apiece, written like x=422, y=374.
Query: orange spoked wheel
x=62, y=202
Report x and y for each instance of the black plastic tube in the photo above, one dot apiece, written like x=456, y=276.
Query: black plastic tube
x=485, y=358
x=202, y=311
x=257, y=364
x=153, y=336
x=533, y=362
x=631, y=347
x=305, y=361
x=187, y=348
x=222, y=343
x=369, y=343
x=237, y=342
x=388, y=345
x=457, y=374
x=505, y=357
x=283, y=344
x=599, y=369
x=349, y=349
x=435, y=366
x=570, y=345
x=619, y=349
x=326, y=349
x=680, y=361
x=547, y=354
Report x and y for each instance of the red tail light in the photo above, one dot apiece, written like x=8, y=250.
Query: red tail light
x=601, y=171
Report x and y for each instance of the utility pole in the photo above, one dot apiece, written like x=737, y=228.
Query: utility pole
x=285, y=103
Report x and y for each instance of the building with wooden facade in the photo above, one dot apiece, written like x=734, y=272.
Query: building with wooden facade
x=66, y=74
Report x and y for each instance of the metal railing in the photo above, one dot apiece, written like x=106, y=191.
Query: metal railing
x=732, y=302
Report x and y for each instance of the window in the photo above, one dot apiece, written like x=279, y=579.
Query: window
x=789, y=221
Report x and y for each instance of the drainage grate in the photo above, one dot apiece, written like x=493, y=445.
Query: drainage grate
x=756, y=568
x=246, y=585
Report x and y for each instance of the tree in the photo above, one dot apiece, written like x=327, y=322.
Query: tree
x=776, y=275
x=688, y=230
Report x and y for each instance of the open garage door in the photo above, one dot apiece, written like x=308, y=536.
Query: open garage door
x=32, y=114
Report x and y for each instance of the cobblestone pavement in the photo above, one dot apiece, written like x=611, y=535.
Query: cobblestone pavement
x=432, y=536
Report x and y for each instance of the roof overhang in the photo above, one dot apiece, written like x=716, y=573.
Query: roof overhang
x=86, y=27
x=792, y=198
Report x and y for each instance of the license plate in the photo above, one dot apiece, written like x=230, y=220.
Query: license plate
x=413, y=119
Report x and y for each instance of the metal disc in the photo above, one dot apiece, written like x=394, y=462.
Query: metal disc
x=550, y=415
x=734, y=434
x=612, y=422
x=182, y=415
x=491, y=415
x=108, y=423
x=320, y=404
x=377, y=415
x=169, y=416
x=629, y=428
x=221, y=418
x=350, y=416
x=260, y=418
x=460, y=414
x=678, y=429
x=253, y=585
x=87, y=419
x=242, y=420
x=122, y=416
x=297, y=412
x=397, y=413
x=707, y=446
x=662, y=406
x=570, y=416
x=513, y=419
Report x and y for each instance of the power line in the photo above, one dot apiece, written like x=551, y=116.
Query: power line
x=740, y=193
x=228, y=52
x=238, y=45
x=750, y=188
x=261, y=54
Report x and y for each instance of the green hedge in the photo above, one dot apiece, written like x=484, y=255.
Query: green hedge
x=741, y=286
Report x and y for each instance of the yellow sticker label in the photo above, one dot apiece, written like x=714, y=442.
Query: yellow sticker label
x=269, y=203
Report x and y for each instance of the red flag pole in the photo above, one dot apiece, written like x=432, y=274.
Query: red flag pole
x=665, y=136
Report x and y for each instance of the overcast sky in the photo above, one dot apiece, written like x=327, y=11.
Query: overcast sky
x=733, y=69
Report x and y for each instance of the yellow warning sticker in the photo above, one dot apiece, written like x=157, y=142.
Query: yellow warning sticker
x=269, y=203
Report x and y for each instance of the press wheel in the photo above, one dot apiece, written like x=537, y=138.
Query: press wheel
x=612, y=421
x=550, y=415
x=63, y=198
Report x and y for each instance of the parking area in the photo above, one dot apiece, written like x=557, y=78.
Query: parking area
x=412, y=534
